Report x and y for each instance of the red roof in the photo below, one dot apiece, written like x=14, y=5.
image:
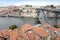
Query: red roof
x=1, y=34
x=40, y=32
x=28, y=32
x=26, y=27
x=58, y=37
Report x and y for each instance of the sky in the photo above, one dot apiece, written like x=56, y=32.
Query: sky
x=28, y=2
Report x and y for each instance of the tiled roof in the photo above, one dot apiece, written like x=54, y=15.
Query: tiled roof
x=26, y=27
x=6, y=32
x=40, y=32
x=58, y=38
x=58, y=29
x=13, y=35
x=28, y=32
x=1, y=34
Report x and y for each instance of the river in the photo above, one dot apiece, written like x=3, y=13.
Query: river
x=5, y=22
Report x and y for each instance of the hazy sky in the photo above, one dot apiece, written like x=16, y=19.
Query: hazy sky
x=29, y=2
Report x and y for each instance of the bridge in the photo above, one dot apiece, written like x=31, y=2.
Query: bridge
x=43, y=15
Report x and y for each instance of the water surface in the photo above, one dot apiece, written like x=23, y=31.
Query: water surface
x=5, y=22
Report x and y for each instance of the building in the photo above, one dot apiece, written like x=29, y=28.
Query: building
x=28, y=32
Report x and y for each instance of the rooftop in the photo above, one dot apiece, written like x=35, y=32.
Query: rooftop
x=28, y=32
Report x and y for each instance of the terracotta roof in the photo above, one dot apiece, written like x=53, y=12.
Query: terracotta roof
x=26, y=27
x=19, y=38
x=28, y=32
x=40, y=32
x=58, y=29
x=22, y=34
x=32, y=36
x=49, y=27
x=6, y=32
x=13, y=35
x=57, y=38
x=1, y=34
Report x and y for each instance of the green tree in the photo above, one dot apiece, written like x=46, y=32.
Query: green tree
x=52, y=6
x=16, y=10
x=12, y=27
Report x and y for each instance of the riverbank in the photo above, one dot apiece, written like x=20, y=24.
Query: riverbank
x=18, y=16
x=53, y=17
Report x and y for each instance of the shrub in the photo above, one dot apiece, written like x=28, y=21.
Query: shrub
x=12, y=27
x=38, y=21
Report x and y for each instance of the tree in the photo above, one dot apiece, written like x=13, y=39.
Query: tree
x=12, y=27
x=52, y=6
x=16, y=10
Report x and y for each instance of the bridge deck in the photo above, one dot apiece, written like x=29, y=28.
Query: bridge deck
x=50, y=10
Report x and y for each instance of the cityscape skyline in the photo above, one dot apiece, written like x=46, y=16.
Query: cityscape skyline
x=28, y=2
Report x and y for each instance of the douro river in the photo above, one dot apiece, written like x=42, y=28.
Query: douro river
x=5, y=22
